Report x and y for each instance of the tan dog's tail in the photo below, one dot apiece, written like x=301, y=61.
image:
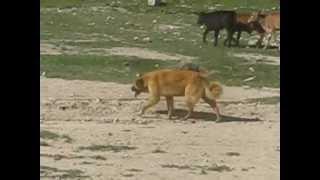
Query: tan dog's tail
x=215, y=89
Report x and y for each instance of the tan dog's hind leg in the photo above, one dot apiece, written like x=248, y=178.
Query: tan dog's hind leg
x=214, y=106
x=192, y=95
x=170, y=106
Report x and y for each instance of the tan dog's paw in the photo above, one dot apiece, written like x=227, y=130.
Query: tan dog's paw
x=140, y=114
x=218, y=119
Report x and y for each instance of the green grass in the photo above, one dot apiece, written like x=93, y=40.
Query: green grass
x=113, y=68
x=178, y=5
x=98, y=157
x=61, y=173
x=67, y=27
x=214, y=167
x=112, y=148
x=44, y=134
x=48, y=135
x=123, y=69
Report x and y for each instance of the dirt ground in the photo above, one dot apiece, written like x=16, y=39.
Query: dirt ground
x=97, y=134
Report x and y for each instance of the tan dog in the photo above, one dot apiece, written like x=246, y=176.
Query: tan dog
x=169, y=83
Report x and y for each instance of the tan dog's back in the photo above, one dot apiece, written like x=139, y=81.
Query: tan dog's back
x=171, y=82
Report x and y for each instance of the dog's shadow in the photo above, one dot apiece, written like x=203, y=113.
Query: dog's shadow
x=207, y=116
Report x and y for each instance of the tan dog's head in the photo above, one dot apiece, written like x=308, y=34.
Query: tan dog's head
x=138, y=86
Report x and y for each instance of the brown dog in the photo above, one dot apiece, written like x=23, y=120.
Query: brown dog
x=270, y=23
x=169, y=83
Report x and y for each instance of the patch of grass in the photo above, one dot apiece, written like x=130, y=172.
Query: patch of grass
x=49, y=168
x=98, y=157
x=113, y=68
x=73, y=173
x=86, y=162
x=176, y=166
x=158, y=151
x=123, y=69
x=46, y=171
x=127, y=174
x=219, y=168
x=215, y=167
x=48, y=135
x=69, y=3
x=112, y=148
x=233, y=154
x=43, y=143
x=135, y=170
x=266, y=100
x=45, y=134
x=67, y=138
x=171, y=6
x=59, y=156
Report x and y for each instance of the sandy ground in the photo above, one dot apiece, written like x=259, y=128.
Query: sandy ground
x=109, y=141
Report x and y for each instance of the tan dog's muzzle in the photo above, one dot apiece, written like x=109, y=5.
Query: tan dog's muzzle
x=137, y=92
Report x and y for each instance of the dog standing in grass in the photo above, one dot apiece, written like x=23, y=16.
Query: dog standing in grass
x=174, y=82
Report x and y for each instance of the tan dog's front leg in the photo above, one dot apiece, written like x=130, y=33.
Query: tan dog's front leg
x=170, y=106
x=151, y=102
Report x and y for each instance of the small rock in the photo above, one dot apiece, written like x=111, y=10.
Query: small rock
x=109, y=18
x=97, y=100
x=91, y=24
x=203, y=171
x=115, y=120
x=251, y=69
x=121, y=28
x=177, y=33
x=59, y=10
x=146, y=39
x=154, y=21
x=156, y=65
x=249, y=79
x=43, y=74
x=135, y=38
x=252, y=42
x=110, y=134
x=211, y=8
x=181, y=38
